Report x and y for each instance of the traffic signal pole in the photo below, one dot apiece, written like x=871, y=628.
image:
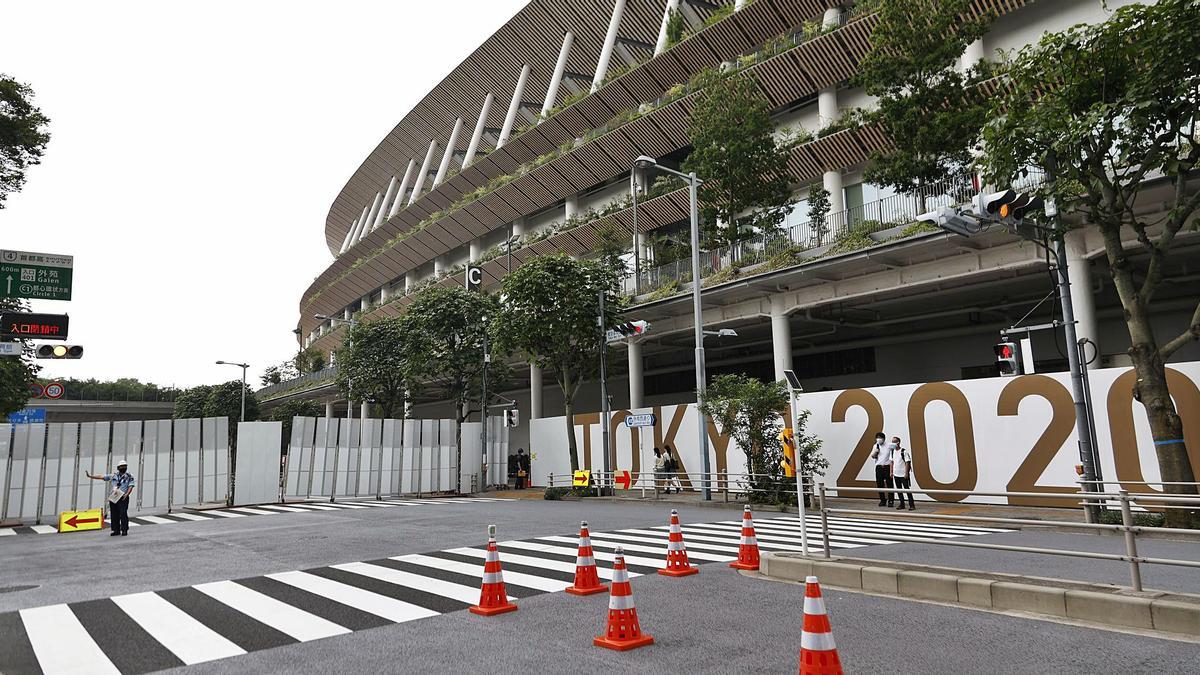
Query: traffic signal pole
x=605, y=412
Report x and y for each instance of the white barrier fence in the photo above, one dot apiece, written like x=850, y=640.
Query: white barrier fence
x=332, y=457
x=174, y=462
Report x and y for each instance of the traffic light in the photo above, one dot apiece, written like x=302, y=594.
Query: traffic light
x=1009, y=207
x=59, y=352
x=1008, y=358
x=632, y=328
x=512, y=418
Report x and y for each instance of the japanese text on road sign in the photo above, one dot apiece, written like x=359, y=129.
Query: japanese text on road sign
x=43, y=276
x=641, y=420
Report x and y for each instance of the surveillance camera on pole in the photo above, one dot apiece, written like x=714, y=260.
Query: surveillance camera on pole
x=949, y=219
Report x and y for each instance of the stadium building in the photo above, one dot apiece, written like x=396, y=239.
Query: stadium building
x=526, y=148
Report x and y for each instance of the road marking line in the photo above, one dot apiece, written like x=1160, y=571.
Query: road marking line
x=43, y=529
x=692, y=542
x=285, y=509
x=517, y=578
x=532, y=561
x=344, y=505
x=281, y=616
x=61, y=643
x=649, y=549
x=379, y=605
x=190, y=516
x=226, y=514
x=597, y=554
x=255, y=512
x=157, y=520
x=312, y=507
x=7, y=532
x=187, y=638
x=445, y=589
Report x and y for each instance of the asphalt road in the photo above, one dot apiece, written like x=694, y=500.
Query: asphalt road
x=716, y=621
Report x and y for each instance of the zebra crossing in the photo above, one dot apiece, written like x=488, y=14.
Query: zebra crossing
x=264, y=510
x=142, y=632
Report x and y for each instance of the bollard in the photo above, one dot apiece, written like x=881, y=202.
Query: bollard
x=824, y=517
x=1135, y=572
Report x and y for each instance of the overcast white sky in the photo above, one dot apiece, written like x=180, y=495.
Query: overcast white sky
x=195, y=150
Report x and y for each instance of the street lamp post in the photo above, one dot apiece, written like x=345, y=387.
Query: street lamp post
x=243, y=366
x=349, y=404
x=644, y=163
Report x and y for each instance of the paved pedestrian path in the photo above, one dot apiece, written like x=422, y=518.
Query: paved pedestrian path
x=191, y=516
x=143, y=632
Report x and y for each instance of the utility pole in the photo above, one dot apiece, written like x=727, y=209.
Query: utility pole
x=483, y=419
x=605, y=412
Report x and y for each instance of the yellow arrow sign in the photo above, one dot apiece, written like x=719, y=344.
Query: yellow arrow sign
x=75, y=521
x=582, y=478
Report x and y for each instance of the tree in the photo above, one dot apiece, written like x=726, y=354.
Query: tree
x=451, y=326
x=676, y=25
x=930, y=113
x=818, y=210
x=749, y=410
x=308, y=361
x=737, y=157
x=225, y=400
x=1103, y=107
x=271, y=375
x=190, y=403
x=376, y=363
x=549, y=317
x=23, y=137
x=16, y=373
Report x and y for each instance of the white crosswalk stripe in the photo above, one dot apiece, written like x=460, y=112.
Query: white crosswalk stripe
x=157, y=520
x=187, y=638
x=254, y=512
x=402, y=588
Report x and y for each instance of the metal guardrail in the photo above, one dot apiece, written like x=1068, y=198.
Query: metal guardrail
x=736, y=484
x=1127, y=527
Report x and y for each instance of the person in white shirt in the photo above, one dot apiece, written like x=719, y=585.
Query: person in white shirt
x=882, y=454
x=902, y=473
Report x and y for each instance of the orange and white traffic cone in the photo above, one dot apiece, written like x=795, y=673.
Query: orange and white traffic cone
x=818, y=653
x=623, y=631
x=748, y=548
x=587, y=579
x=493, y=599
x=677, y=559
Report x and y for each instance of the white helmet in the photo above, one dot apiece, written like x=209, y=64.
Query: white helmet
x=122, y=463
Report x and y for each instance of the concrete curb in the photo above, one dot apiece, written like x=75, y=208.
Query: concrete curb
x=1108, y=605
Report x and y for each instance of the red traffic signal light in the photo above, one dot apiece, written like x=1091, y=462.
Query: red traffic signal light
x=1007, y=358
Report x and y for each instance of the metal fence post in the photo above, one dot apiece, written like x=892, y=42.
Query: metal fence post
x=1135, y=572
x=824, y=517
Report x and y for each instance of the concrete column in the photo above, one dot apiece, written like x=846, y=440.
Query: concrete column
x=513, y=106
x=477, y=134
x=349, y=236
x=347, y=314
x=827, y=106
x=738, y=5
x=376, y=207
x=449, y=154
x=781, y=337
x=635, y=374
x=410, y=280
x=329, y=410
x=661, y=45
x=384, y=294
x=570, y=206
x=364, y=411
x=973, y=54
x=388, y=198
x=610, y=39
x=832, y=181
x=398, y=202
x=1079, y=273
x=832, y=16
x=556, y=78
x=359, y=225
x=535, y=392
x=439, y=264
x=476, y=250
x=423, y=171
x=518, y=227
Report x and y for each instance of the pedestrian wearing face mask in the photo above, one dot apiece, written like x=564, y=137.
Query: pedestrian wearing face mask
x=902, y=473
x=122, y=487
x=882, y=454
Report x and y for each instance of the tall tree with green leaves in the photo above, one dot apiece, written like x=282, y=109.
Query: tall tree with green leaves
x=287, y=411
x=1106, y=108
x=23, y=135
x=191, y=402
x=450, y=327
x=751, y=412
x=16, y=373
x=743, y=168
x=550, y=317
x=225, y=400
x=925, y=103
x=376, y=363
